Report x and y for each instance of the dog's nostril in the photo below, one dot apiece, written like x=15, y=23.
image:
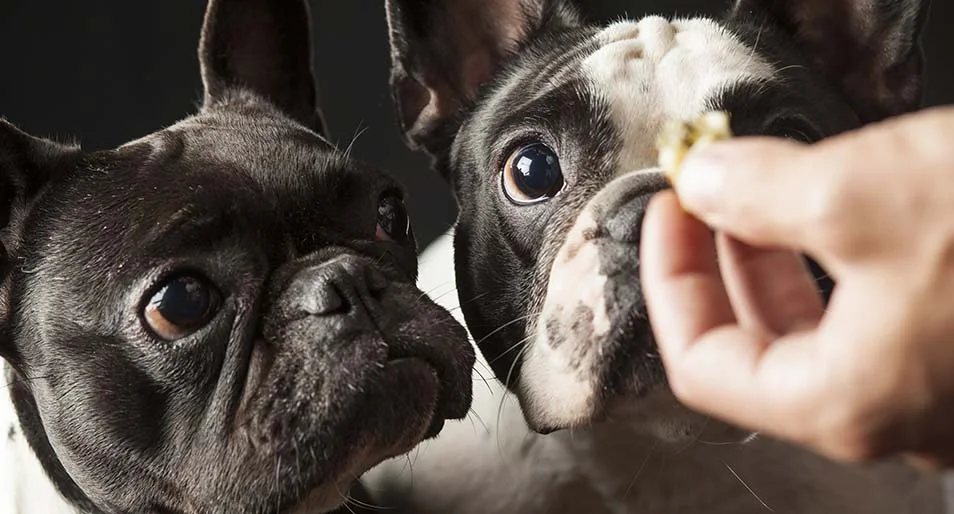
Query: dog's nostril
x=341, y=286
x=326, y=300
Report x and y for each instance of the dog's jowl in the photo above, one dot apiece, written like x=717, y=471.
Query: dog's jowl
x=220, y=316
x=545, y=127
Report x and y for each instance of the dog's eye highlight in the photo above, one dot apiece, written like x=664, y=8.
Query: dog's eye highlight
x=393, y=222
x=532, y=174
x=180, y=307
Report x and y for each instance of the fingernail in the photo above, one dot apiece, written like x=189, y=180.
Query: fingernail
x=700, y=181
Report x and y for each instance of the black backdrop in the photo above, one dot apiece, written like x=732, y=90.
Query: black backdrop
x=109, y=71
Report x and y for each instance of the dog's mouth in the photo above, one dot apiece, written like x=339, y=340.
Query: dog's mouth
x=331, y=396
x=573, y=378
x=419, y=369
x=592, y=354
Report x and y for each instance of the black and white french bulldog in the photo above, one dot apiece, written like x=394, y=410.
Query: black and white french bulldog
x=218, y=317
x=545, y=127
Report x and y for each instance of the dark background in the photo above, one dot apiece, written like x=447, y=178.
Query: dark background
x=109, y=71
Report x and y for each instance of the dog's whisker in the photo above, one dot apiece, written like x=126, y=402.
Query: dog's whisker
x=366, y=505
x=518, y=319
x=442, y=295
x=278, y=481
x=642, y=465
x=483, y=379
x=358, y=133
x=696, y=437
x=749, y=489
x=503, y=397
x=475, y=298
x=755, y=46
x=430, y=291
x=516, y=346
x=474, y=414
x=792, y=67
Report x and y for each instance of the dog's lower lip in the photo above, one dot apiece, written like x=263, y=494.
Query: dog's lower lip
x=436, y=422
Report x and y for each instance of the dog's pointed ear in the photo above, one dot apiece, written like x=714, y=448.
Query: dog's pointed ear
x=442, y=51
x=871, y=49
x=27, y=165
x=263, y=46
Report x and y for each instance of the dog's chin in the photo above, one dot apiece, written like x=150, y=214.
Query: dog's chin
x=413, y=409
x=655, y=412
x=408, y=403
x=638, y=400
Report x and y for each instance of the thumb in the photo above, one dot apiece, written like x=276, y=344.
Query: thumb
x=758, y=189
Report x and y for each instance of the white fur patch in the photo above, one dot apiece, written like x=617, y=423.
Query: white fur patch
x=655, y=70
x=554, y=391
x=24, y=486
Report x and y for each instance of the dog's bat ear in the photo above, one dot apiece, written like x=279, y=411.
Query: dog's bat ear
x=27, y=166
x=262, y=46
x=870, y=49
x=442, y=51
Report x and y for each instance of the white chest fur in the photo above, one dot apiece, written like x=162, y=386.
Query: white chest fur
x=24, y=487
x=491, y=463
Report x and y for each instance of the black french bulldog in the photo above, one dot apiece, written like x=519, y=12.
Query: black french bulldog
x=221, y=316
x=545, y=126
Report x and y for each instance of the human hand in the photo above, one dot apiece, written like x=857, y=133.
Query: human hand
x=745, y=336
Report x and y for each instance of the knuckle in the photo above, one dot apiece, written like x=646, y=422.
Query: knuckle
x=829, y=213
x=845, y=437
x=854, y=430
x=679, y=383
x=684, y=385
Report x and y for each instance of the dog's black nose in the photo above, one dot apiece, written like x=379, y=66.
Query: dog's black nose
x=336, y=287
x=623, y=210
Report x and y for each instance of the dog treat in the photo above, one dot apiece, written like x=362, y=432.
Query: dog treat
x=679, y=138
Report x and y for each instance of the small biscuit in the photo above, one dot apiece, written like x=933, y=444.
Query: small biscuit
x=679, y=138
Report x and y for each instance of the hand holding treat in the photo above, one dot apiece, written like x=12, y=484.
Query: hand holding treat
x=679, y=138
x=745, y=337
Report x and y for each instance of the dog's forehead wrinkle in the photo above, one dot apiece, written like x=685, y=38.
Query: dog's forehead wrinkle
x=654, y=70
x=267, y=155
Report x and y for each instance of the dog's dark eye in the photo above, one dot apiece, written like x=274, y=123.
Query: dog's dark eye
x=794, y=129
x=393, y=223
x=532, y=174
x=182, y=306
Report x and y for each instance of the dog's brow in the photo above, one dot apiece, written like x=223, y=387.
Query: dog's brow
x=185, y=227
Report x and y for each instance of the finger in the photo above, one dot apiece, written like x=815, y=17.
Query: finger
x=755, y=188
x=772, y=290
x=749, y=380
x=680, y=276
x=714, y=366
x=772, y=192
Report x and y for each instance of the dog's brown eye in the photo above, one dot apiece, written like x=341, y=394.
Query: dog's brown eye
x=532, y=174
x=393, y=223
x=182, y=306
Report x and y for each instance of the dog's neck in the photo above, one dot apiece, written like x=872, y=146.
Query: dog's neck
x=24, y=485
